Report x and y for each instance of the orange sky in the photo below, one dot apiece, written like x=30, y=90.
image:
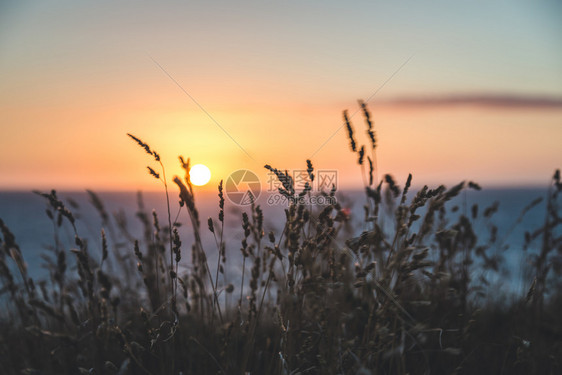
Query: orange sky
x=76, y=79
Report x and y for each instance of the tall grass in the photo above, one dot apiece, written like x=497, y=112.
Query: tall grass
x=407, y=295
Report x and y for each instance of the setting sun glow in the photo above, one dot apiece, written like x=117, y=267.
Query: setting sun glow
x=199, y=175
x=461, y=91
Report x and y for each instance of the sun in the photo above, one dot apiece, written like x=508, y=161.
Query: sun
x=199, y=174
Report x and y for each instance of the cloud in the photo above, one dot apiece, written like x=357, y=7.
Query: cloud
x=500, y=101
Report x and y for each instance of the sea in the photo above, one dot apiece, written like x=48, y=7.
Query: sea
x=24, y=213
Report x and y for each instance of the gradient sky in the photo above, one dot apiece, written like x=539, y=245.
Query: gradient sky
x=459, y=90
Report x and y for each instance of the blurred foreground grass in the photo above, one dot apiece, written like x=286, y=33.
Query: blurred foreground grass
x=406, y=296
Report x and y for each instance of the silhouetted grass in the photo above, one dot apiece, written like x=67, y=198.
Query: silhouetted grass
x=400, y=298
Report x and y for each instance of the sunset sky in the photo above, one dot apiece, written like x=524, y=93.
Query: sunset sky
x=458, y=90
